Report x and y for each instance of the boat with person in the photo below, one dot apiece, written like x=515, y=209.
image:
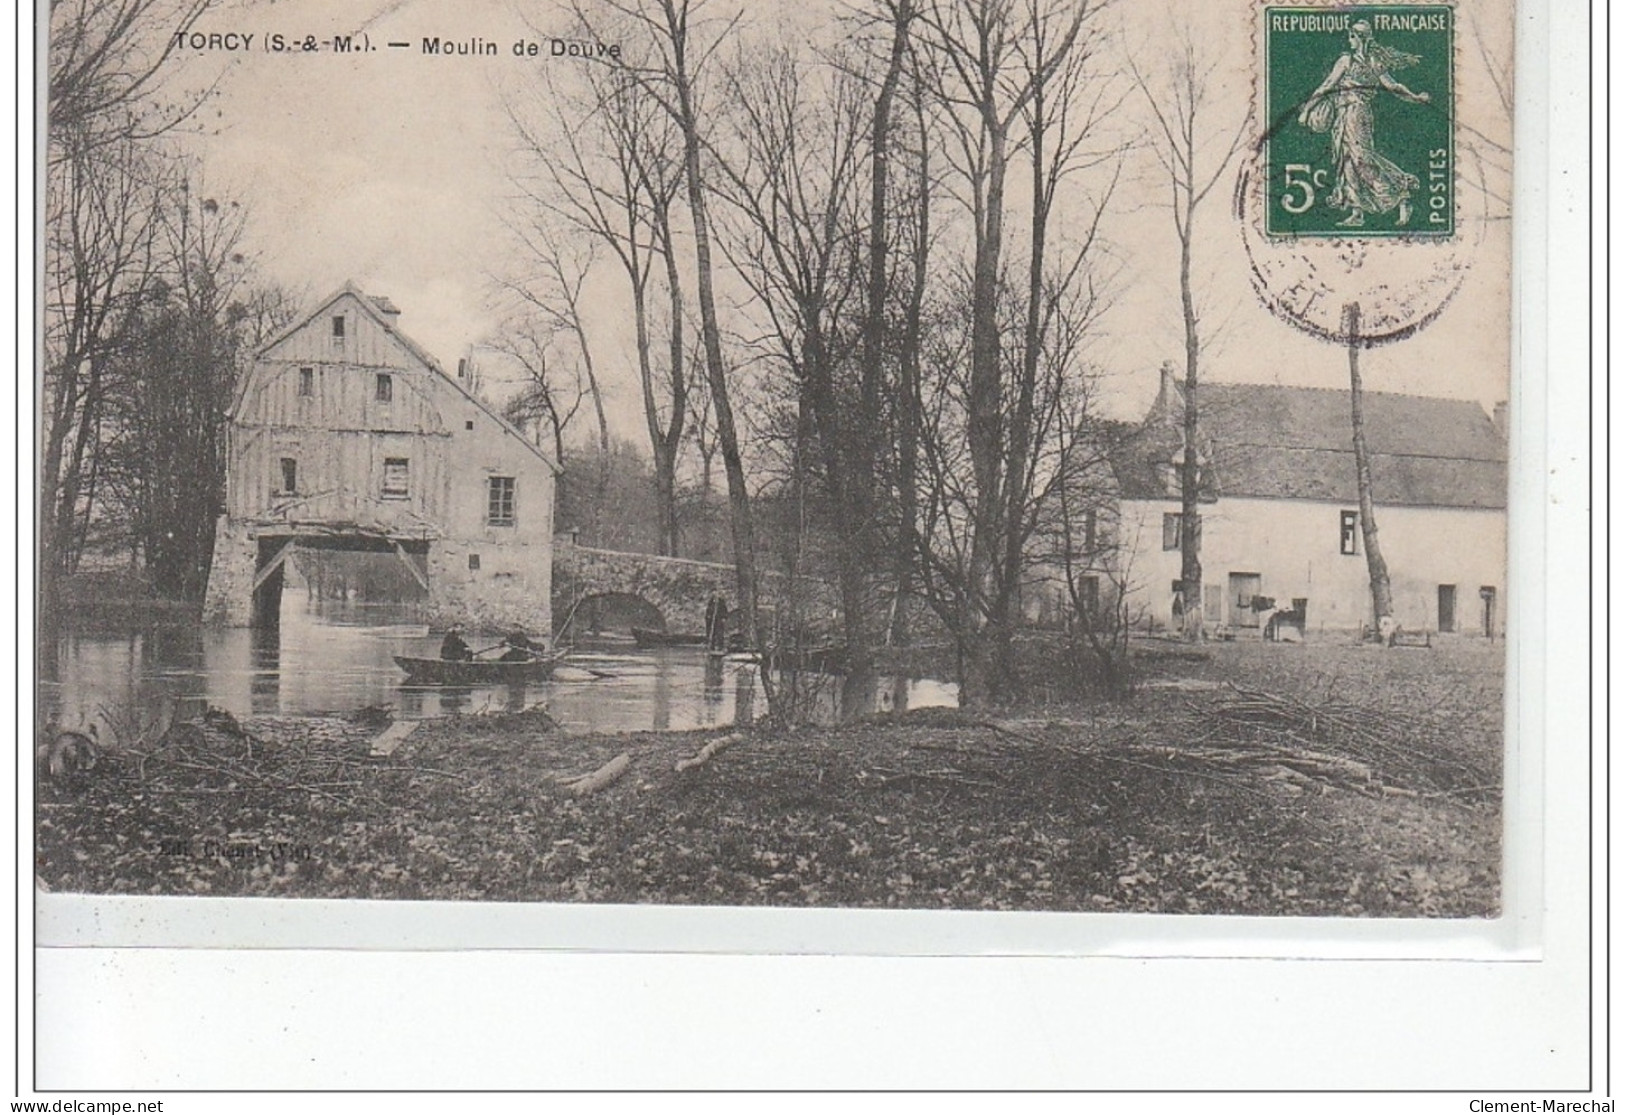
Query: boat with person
x=444, y=671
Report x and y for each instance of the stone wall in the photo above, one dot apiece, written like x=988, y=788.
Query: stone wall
x=677, y=587
x=228, y=602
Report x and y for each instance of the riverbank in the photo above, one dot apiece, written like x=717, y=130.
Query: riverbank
x=1252, y=779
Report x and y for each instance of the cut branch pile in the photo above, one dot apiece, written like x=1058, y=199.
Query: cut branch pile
x=216, y=755
x=1372, y=750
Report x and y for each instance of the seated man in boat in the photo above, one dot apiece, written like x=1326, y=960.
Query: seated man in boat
x=520, y=648
x=452, y=647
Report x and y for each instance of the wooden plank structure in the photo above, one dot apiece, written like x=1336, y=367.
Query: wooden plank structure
x=346, y=435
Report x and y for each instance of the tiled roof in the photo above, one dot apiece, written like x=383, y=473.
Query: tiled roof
x=1267, y=441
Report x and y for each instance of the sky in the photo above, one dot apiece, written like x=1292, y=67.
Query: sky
x=389, y=169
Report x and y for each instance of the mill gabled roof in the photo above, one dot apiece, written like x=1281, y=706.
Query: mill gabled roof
x=1272, y=442
x=383, y=311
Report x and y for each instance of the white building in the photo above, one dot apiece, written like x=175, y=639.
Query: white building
x=1280, y=512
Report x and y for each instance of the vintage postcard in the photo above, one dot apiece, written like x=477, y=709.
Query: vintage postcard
x=918, y=455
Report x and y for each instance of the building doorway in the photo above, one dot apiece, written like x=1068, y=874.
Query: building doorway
x=1243, y=587
x=1447, y=609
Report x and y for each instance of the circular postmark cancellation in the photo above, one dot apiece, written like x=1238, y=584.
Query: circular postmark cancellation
x=1350, y=196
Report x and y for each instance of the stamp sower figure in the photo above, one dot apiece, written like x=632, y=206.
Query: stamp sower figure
x=1365, y=181
x=452, y=647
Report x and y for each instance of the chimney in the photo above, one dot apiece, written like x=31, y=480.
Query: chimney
x=1169, y=398
x=384, y=306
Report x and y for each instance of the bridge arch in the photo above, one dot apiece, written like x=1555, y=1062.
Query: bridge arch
x=677, y=589
x=611, y=611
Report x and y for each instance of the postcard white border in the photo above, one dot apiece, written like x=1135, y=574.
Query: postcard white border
x=1507, y=1011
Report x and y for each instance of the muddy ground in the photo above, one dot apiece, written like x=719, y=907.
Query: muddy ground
x=1241, y=778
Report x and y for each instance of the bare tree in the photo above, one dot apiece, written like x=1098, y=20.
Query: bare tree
x=267, y=309
x=106, y=102
x=679, y=48
x=907, y=412
x=102, y=220
x=554, y=389
x=609, y=168
x=164, y=449
x=553, y=294
x=107, y=59
x=1014, y=74
x=1192, y=161
x=795, y=186
x=703, y=434
x=1382, y=596
x=899, y=16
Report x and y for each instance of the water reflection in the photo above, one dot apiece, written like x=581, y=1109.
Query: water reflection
x=340, y=657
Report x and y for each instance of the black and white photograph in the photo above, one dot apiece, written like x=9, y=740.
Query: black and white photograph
x=872, y=454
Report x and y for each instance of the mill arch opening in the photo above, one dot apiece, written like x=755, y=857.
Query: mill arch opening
x=337, y=567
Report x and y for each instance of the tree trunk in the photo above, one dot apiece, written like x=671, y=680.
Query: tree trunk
x=667, y=442
x=1382, y=597
x=1190, y=475
x=602, y=494
x=981, y=607
x=742, y=528
x=908, y=419
x=859, y=544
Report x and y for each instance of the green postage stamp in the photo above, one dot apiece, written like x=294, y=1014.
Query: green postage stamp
x=1361, y=138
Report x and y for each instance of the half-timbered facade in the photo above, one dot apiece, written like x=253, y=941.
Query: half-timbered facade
x=347, y=435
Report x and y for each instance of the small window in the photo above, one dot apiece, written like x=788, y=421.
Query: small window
x=384, y=388
x=469, y=425
x=473, y=563
x=1348, y=532
x=307, y=382
x=1090, y=532
x=338, y=327
x=290, y=476
x=395, y=478
x=499, y=501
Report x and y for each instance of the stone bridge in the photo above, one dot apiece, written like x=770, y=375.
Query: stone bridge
x=678, y=588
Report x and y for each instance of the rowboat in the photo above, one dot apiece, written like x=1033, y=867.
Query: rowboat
x=649, y=638
x=442, y=671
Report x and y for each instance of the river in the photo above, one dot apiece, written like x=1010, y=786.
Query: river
x=334, y=657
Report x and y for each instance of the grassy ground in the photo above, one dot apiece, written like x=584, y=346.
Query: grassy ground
x=1338, y=780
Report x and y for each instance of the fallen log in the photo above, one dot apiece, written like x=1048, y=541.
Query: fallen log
x=603, y=776
x=706, y=753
